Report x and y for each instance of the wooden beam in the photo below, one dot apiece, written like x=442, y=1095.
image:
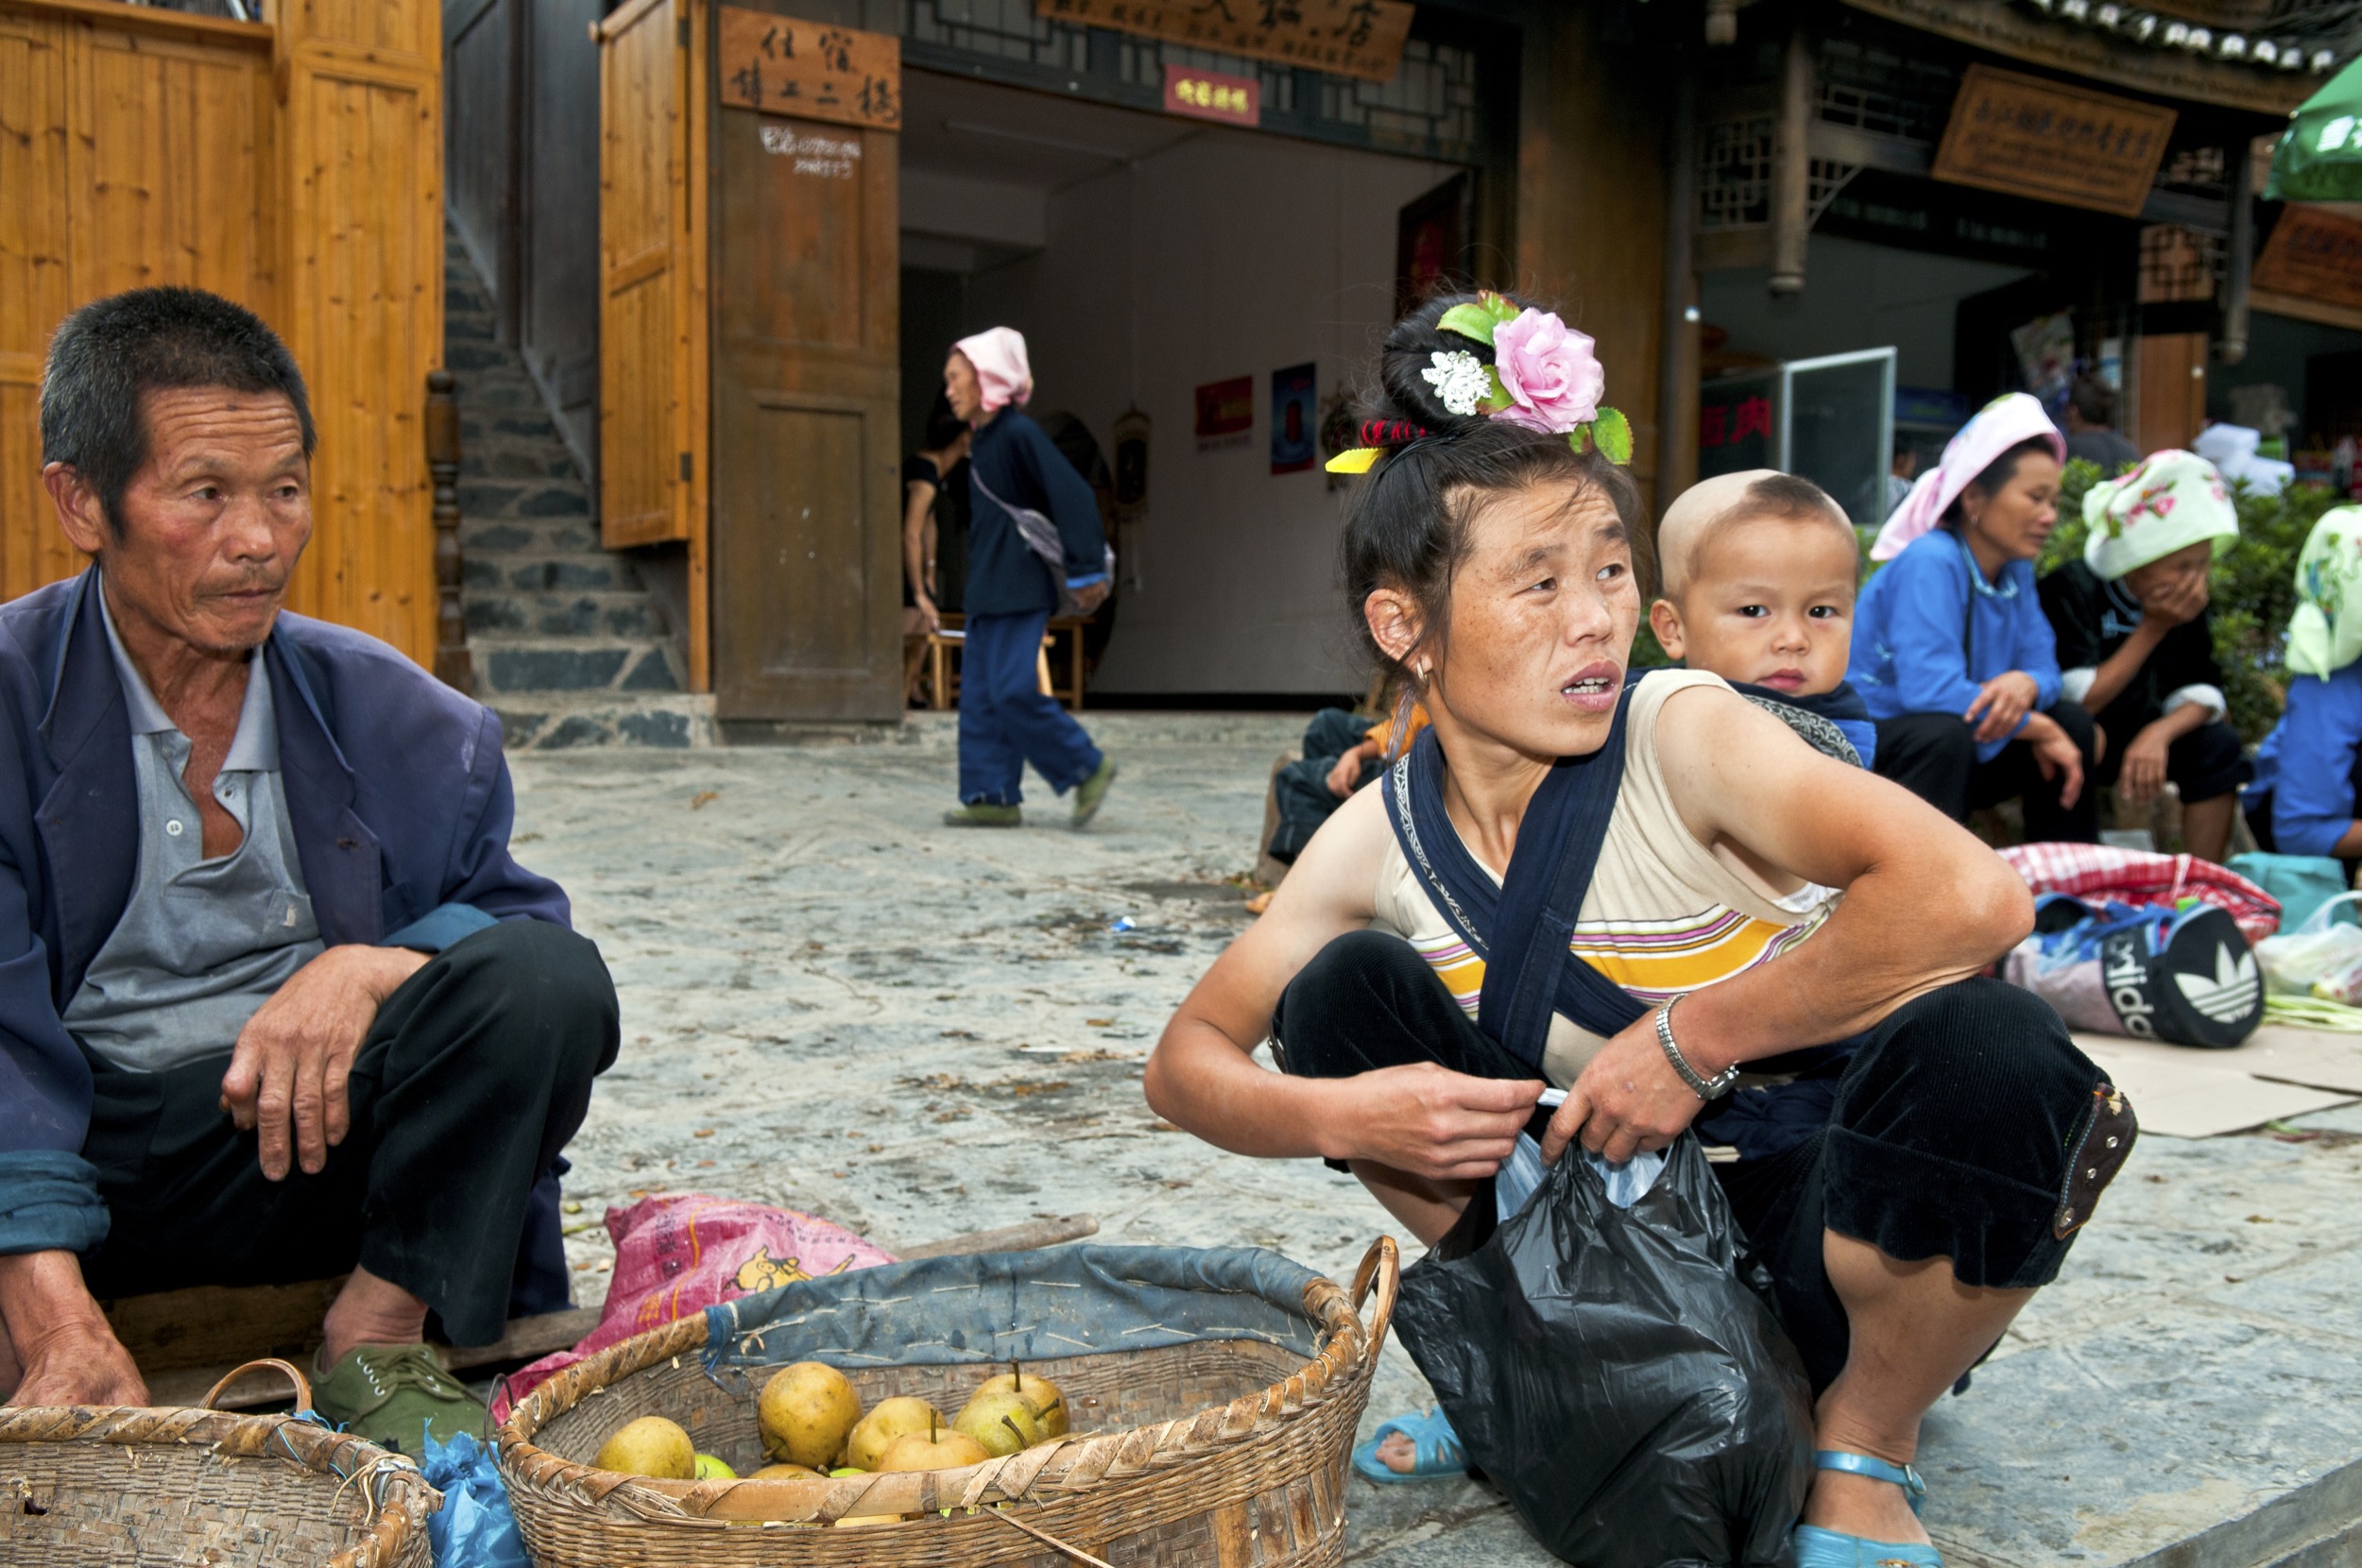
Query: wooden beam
x=1791, y=168
x=2238, y=258
x=1677, y=339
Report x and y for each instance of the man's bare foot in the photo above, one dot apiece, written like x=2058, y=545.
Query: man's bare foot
x=1398, y=1453
x=1858, y=1505
x=370, y=1311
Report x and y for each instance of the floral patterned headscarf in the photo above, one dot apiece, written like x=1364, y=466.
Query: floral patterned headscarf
x=2325, y=634
x=2169, y=500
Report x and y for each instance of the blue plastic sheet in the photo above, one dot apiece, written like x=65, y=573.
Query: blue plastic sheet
x=1063, y=1301
x=475, y=1528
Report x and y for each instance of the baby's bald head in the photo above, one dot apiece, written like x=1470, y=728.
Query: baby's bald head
x=1729, y=500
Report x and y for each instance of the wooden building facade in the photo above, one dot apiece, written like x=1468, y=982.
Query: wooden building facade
x=292, y=164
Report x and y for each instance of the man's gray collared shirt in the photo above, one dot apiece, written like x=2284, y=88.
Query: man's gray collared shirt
x=202, y=943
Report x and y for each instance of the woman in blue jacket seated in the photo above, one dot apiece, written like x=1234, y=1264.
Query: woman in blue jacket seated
x=1952, y=653
x=2308, y=772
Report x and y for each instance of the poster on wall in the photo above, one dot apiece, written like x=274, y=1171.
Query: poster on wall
x=1294, y=422
x=1431, y=243
x=1226, y=413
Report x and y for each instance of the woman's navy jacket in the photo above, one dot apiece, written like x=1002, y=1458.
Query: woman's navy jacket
x=400, y=805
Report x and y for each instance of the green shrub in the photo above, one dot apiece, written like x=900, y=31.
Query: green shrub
x=2253, y=589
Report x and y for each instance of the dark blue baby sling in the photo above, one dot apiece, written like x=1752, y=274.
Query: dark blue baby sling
x=1615, y=1372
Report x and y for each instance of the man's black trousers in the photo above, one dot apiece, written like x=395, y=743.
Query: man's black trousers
x=475, y=1075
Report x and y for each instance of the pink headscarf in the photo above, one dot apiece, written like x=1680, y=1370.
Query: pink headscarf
x=1002, y=371
x=1999, y=425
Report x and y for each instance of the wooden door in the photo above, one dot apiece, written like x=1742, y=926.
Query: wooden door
x=807, y=596
x=652, y=276
x=2169, y=405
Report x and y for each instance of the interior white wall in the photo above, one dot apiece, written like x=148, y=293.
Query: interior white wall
x=1856, y=295
x=1230, y=254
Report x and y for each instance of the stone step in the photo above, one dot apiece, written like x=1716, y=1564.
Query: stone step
x=490, y=498
x=508, y=665
x=613, y=614
x=549, y=722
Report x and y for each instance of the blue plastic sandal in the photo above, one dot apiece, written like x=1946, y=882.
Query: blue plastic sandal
x=1820, y=1548
x=1434, y=1447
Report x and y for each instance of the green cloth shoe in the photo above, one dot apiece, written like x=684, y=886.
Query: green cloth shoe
x=1092, y=790
x=394, y=1395
x=985, y=814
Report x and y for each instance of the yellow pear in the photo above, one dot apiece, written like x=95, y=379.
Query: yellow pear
x=785, y=1472
x=1002, y=1423
x=941, y=1449
x=806, y=1411
x=1046, y=1395
x=651, y=1446
x=711, y=1469
x=889, y=1421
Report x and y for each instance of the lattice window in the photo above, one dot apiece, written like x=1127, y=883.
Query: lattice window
x=1735, y=176
x=2178, y=265
x=1878, y=90
x=1735, y=173
x=1008, y=29
x=2196, y=169
x=1432, y=98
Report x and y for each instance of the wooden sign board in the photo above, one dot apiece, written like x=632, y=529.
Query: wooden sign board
x=2315, y=255
x=2027, y=136
x=781, y=65
x=1353, y=38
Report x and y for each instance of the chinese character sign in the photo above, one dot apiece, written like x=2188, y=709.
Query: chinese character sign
x=2027, y=136
x=1353, y=38
x=781, y=65
x=1213, y=96
x=2313, y=253
x=1736, y=424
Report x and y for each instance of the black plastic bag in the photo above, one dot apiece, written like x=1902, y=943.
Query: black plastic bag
x=1612, y=1371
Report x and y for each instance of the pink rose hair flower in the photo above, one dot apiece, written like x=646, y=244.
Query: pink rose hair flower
x=1554, y=380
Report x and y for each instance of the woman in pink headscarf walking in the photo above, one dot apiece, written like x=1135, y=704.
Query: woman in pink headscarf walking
x=1005, y=719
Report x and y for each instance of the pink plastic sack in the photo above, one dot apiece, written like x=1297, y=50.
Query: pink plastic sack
x=682, y=1253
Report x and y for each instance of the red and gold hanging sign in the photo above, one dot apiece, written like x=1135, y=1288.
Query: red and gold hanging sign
x=1213, y=96
x=2027, y=136
x=1353, y=38
x=781, y=65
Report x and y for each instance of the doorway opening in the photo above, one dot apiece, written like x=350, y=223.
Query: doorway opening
x=1149, y=259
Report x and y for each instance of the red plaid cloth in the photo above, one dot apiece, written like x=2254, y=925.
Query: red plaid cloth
x=2138, y=876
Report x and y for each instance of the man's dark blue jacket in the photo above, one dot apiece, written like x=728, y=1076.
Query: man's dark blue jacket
x=400, y=805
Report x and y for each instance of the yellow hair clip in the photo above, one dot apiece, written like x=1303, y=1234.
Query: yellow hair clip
x=1356, y=460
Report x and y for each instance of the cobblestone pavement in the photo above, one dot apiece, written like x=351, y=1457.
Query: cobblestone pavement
x=833, y=1004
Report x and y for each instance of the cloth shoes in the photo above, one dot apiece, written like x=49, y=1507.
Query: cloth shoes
x=396, y=1396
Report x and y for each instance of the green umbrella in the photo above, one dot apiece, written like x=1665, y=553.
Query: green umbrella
x=2320, y=157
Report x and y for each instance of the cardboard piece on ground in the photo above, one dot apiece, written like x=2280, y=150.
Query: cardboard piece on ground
x=2316, y=1058
x=2186, y=1094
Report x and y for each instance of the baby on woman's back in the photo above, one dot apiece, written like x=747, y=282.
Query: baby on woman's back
x=1759, y=571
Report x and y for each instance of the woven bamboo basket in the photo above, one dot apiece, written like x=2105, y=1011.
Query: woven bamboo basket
x=1210, y=1451
x=121, y=1487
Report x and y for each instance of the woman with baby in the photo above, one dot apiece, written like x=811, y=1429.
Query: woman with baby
x=1917, y=1188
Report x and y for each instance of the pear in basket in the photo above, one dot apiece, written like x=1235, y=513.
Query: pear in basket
x=937, y=1448
x=1003, y=1421
x=785, y=1472
x=807, y=1411
x=1046, y=1395
x=876, y=1431
x=650, y=1446
x=712, y=1469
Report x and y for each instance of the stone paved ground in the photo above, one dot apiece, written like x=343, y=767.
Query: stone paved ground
x=831, y=1003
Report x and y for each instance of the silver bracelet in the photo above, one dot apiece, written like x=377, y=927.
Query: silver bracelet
x=1704, y=1088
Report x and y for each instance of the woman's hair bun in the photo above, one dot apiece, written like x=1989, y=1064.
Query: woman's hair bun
x=1404, y=392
